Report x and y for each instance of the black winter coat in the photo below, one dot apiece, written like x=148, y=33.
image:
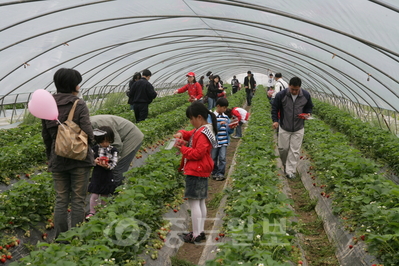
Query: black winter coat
x=251, y=81
x=142, y=91
x=213, y=90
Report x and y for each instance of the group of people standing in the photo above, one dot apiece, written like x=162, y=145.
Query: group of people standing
x=141, y=93
x=113, y=142
x=215, y=89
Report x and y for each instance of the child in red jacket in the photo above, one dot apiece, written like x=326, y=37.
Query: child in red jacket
x=197, y=165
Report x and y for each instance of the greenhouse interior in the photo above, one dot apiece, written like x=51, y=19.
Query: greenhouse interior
x=296, y=101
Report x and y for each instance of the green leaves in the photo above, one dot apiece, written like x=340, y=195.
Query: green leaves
x=363, y=196
x=256, y=210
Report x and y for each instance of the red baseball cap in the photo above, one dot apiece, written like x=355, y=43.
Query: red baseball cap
x=190, y=74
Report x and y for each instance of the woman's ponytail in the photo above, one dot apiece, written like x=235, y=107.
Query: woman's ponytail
x=214, y=121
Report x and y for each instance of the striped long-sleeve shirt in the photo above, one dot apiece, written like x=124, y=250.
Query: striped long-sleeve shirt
x=224, y=130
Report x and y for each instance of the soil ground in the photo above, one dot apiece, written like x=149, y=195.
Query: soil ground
x=318, y=249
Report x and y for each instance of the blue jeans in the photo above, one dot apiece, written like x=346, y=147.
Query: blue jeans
x=123, y=165
x=250, y=95
x=211, y=103
x=219, y=160
x=71, y=188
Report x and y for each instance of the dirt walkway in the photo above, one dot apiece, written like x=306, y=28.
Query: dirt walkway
x=318, y=249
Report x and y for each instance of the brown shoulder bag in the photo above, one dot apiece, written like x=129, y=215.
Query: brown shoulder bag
x=71, y=141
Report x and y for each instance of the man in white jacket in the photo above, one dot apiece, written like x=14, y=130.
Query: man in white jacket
x=279, y=85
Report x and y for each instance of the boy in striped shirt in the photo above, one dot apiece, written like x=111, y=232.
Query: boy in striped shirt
x=223, y=138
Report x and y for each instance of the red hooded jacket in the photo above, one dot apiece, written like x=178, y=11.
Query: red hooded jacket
x=197, y=160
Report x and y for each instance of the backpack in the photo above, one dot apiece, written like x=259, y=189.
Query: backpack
x=71, y=141
x=271, y=91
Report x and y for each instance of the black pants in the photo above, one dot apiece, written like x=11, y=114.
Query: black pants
x=250, y=94
x=140, y=111
x=235, y=89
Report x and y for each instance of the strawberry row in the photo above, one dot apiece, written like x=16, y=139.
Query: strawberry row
x=158, y=106
x=362, y=196
x=257, y=211
x=373, y=141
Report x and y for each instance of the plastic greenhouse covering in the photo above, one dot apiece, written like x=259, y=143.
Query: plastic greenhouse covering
x=340, y=49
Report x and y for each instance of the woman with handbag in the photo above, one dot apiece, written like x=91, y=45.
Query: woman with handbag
x=71, y=176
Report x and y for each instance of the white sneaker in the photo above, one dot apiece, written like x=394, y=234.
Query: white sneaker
x=290, y=176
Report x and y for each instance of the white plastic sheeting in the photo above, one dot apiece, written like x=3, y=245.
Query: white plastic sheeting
x=338, y=47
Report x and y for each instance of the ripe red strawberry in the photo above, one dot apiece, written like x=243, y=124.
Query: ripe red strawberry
x=350, y=246
x=9, y=257
x=327, y=196
x=300, y=262
x=1, y=247
x=217, y=238
x=27, y=175
x=69, y=210
x=174, y=210
x=363, y=237
x=301, y=157
x=221, y=234
x=3, y=260
x=323, y=194
x=7, y=246
x=314, y=184
x=373, y=264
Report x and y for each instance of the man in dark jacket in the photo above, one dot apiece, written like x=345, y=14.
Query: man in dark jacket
x=141, y=95
x=290, y=104
x=235, y=84
x=250, y=85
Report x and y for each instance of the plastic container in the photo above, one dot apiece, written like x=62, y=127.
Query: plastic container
x=171, y=144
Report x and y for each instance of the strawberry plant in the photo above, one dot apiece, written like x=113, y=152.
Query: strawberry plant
x=361, y=194
x=373, y=141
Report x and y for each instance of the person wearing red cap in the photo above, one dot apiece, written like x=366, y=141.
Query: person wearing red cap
x=193, y=87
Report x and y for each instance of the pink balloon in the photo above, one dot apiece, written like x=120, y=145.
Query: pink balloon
x=43, y=105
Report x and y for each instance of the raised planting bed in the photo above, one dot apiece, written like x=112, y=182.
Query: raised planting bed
x=373, y=141
x=360, y=195
x=257, y=221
